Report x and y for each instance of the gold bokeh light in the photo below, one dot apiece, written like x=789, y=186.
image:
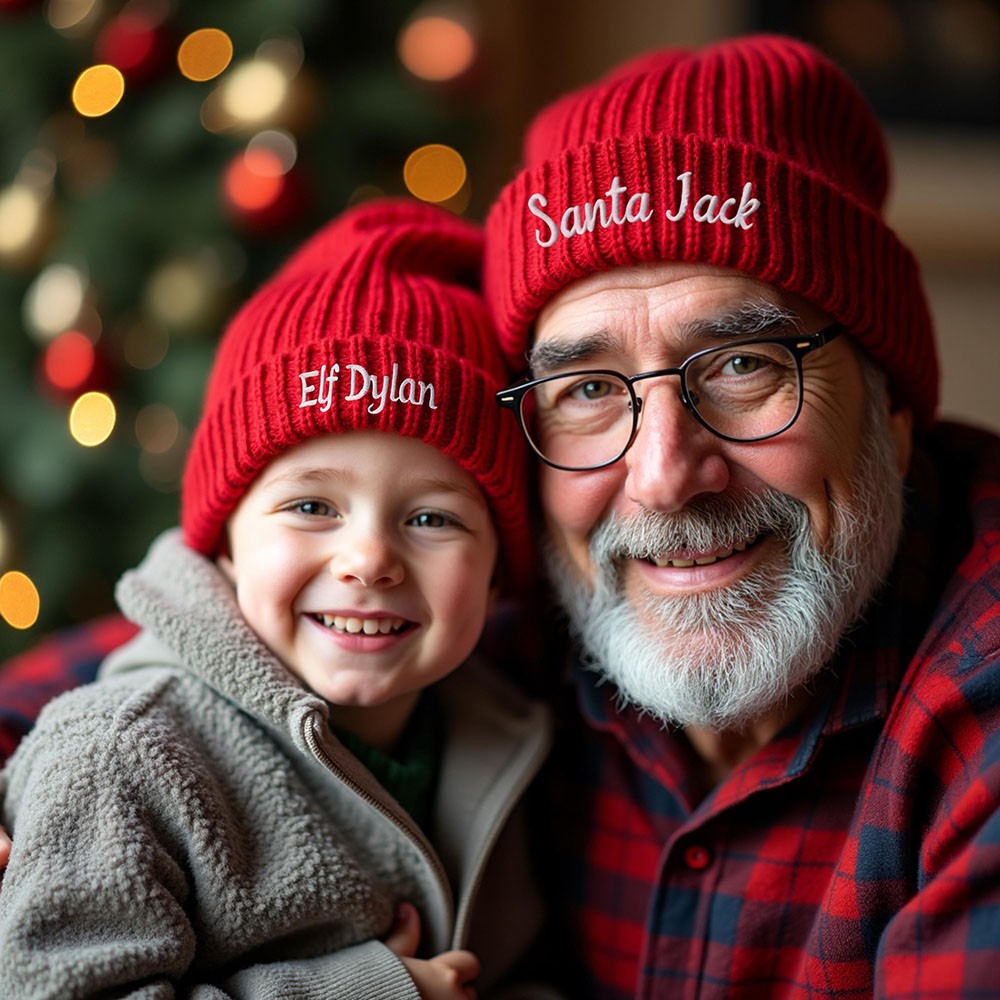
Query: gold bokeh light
x=204, y=54
x=19, y=600
x=97, y=90
x=434, y=173
x=92, y=419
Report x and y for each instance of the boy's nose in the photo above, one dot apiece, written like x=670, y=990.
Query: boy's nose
x=367, y=558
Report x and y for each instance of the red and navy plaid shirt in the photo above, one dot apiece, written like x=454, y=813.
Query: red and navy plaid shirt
x=857, y=854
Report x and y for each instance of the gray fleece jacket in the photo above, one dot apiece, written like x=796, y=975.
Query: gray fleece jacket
x=188, y=826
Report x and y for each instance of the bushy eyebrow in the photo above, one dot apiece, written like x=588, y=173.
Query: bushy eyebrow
x=751, y=319
x=552, y=355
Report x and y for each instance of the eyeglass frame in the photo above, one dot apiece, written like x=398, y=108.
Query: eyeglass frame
x=798, y=346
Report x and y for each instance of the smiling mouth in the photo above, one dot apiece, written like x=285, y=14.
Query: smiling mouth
x=687, y=562
x=362, y=626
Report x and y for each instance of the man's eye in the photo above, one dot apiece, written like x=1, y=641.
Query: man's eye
x=743, y=364
x=589, y=390
x=595, y=389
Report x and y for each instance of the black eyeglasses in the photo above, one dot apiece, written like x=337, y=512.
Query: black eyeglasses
x=746, y=391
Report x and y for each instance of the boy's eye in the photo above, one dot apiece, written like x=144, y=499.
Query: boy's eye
x=312, y=508
x=431, y=519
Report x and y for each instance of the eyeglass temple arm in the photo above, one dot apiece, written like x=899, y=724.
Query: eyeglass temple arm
x=821, y=338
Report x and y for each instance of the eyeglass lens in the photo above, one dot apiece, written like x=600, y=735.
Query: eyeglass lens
x=582, y=420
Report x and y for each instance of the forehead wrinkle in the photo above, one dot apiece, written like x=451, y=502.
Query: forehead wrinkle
x=749, y=319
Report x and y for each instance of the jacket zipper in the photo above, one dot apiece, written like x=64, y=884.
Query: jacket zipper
x=411, y=832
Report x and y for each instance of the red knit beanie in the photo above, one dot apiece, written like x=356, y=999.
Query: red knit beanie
x=756, y=154
x=373, y=324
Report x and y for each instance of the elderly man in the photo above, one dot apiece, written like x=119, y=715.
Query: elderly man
x=786, y=782
x=781, y=777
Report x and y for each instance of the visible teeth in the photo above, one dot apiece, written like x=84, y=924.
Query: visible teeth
x=701, y=560
x=355, y=626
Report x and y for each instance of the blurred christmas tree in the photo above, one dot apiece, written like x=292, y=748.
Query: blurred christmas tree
x=158, y=160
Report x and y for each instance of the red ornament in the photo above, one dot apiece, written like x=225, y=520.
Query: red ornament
x=137, y=44
x=260, y=195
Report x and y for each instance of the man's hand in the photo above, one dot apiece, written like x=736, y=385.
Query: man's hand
x=443, y=977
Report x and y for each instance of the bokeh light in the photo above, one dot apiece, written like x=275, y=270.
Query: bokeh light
x=92, y=419
x=97, y=90
x=364, y=193
x=156, y=428
x=19, y=600
x=284, y=51
x=145, y=346
x=69, y=360
x=280, y=144
x=434, y=173
x=204, y=54
x=65, y=15
x=254, y=180
x=436, y=48
x=181, y=294
x=162, y=470
x=22, y=220
x=254, y=92
x=54, y=301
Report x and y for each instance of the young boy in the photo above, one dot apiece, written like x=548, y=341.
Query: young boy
x=270, y=771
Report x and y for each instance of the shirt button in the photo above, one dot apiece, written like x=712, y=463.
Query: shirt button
x=697, y=858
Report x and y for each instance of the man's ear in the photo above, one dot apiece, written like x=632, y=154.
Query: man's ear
x=901, y=429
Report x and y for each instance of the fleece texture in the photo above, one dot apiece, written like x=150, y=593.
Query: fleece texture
x=189, y=826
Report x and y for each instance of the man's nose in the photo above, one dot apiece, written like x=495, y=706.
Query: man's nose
x=673, y=458
x=366, y=555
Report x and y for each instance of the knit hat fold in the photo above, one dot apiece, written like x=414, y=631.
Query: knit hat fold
x=756, y=154
x=374, y=324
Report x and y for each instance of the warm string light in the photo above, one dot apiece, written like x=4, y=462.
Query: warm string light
x=54, y=301
x=437, y=47
x=98, y=90
x=92, y=419
x=19, y=600
x=145, y=346
x=69, y=16
x=204, y=54
x=434, y=173
x=69, y=360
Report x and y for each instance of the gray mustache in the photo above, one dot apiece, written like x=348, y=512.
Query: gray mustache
x=712, y=522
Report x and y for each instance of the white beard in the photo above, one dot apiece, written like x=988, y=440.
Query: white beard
x=723, y=659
